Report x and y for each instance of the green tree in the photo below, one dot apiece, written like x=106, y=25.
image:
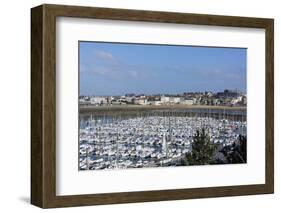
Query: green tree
x=243, y=147
x=202, y=150
x=237, y=152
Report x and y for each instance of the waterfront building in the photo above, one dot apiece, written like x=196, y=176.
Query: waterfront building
x=188, y=102
x=98, y=100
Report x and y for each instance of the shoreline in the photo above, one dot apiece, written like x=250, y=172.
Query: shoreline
x=88, y=109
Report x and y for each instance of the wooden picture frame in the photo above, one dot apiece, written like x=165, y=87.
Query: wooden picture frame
x=43, y=105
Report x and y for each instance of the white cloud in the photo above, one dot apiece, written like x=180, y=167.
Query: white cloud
x=103, y=55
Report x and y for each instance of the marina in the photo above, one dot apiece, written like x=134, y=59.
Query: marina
x=151, y=138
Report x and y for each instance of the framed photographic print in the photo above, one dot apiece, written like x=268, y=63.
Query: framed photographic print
x=136, y=106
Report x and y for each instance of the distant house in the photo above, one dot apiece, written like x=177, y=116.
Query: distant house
x=84, y=100
x=164, y=99
x=141, y=101
x=171, y=100
x=176, y=100
x=157, y=103
x=130, y=99
x=98, y=100
x=188, y=102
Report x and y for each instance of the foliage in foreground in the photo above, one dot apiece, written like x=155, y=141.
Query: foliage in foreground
x=204, y=152
x=203, y=149
x=237, y=152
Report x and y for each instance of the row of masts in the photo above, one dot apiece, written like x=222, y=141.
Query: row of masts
x=217, y=114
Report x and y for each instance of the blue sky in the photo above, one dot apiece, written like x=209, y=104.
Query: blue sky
x=117, y=69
